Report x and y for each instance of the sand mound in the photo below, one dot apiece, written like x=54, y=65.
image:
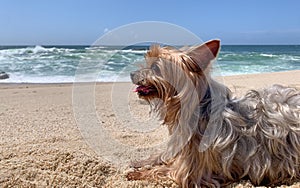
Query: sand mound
x=45, y=167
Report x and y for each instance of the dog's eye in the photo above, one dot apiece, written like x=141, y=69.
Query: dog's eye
x=155, y=68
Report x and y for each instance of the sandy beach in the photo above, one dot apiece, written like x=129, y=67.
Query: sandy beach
x=42, y=145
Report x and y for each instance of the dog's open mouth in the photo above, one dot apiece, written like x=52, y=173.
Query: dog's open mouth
x=145, y=90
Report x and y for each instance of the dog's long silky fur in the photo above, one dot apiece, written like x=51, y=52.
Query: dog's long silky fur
x=216, y=139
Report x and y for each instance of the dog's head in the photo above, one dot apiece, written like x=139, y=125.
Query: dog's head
x=169, y=71
x=177, y=85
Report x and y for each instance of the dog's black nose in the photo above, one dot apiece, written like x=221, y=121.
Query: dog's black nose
x=132, y=75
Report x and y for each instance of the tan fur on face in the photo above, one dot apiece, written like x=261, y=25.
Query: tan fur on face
x=216, y=139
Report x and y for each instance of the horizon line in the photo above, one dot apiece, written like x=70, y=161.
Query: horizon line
x=226, y=44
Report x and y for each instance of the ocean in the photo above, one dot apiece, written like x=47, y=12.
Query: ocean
x=59, y=64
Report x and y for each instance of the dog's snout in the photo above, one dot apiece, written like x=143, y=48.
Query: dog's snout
x=139, y=77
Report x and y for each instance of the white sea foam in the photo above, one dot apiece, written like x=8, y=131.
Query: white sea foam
x=37, y=79
x=135, y=51
x=267, y=55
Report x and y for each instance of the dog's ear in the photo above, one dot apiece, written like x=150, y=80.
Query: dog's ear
x=205, y=53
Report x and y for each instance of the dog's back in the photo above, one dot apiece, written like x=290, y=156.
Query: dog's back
x=265, y=130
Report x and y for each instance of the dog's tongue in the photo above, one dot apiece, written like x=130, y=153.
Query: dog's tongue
x=143, y=89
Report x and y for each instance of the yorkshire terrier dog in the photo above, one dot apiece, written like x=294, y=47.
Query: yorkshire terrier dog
x=215, y=138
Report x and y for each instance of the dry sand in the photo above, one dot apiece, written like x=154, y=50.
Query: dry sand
x=41, y=144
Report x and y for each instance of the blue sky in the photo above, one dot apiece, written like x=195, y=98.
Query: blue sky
x=41, y=22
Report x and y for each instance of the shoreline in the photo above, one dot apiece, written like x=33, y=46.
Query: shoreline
x=111, y=82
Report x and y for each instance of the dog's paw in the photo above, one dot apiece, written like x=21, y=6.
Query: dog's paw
x=136, y=164
x=136, y=175
x=143, y=164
